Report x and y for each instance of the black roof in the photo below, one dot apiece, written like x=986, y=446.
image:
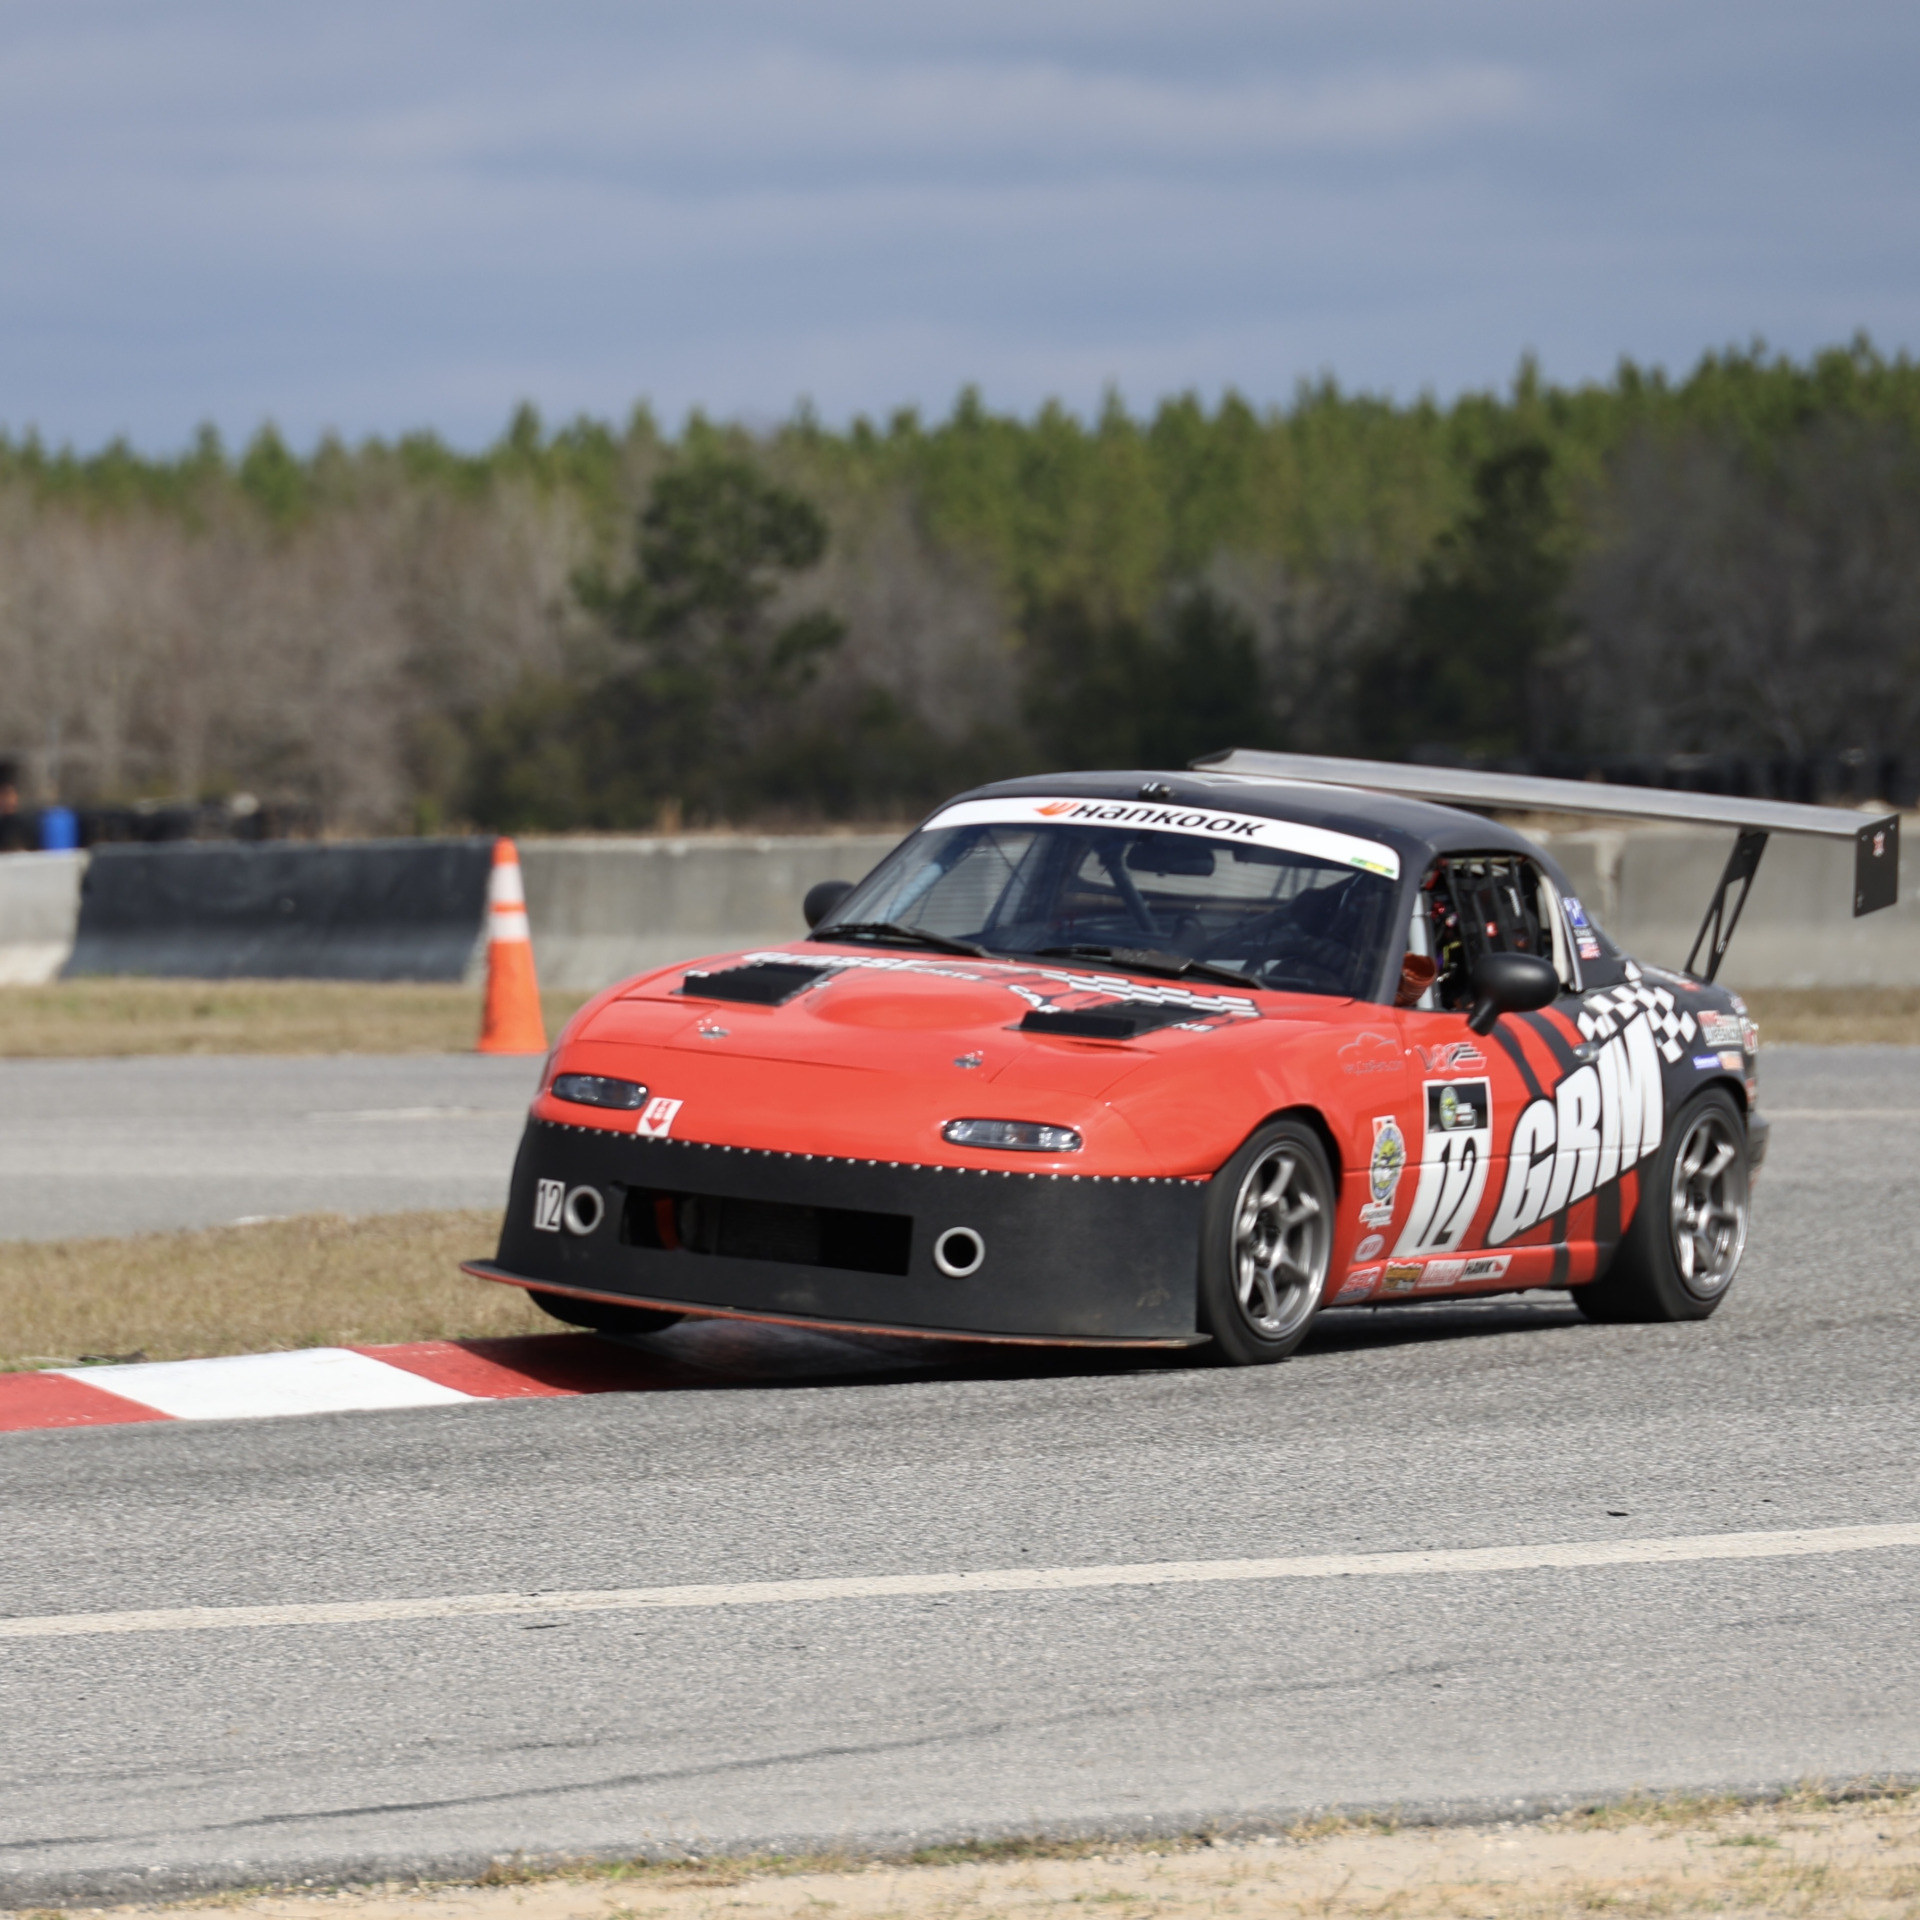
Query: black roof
x=1416, y=829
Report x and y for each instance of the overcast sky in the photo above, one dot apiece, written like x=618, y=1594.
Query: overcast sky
x=371, y=217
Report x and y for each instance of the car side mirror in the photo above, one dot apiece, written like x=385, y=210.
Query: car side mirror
x=822, y=897
x=1510, y=983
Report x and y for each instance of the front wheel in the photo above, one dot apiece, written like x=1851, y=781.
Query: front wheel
x=1265, y=1241
x=601, y=1316
x=1678, y=1258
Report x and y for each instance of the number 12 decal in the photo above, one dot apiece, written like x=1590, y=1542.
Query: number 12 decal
x=1454, y=1159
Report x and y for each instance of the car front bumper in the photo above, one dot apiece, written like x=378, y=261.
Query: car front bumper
x=851, y=1243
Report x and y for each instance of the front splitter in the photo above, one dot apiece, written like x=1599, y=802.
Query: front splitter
x=692, y=1309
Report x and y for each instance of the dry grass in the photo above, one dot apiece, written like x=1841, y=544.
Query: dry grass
x=309, y=1282
x=1810, y=1855
x=1838, y=1016
x=119, y=1017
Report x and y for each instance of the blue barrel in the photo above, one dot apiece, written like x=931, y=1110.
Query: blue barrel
x=59, y=829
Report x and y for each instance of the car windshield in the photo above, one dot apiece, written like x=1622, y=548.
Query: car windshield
x=1286, y=919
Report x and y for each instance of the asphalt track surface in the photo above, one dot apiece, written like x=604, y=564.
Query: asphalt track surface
x=1057, y=1696
x=122, y=1146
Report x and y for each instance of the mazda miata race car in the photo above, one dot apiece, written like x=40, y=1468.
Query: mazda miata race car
x=1168, y=1059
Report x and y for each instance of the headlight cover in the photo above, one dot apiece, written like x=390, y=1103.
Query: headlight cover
x=1017, y=1136
x=597, y=1090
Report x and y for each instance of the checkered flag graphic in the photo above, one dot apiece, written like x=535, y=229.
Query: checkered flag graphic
x=1606, y=1013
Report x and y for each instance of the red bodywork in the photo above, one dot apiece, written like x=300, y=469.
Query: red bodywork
x=871, y=1062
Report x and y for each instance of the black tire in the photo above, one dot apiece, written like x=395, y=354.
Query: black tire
x=1269, y=1218
x=1678, y=1257
x=602, y=1316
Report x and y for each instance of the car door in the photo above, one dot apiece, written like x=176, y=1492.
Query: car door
x=1600, y=1072
x=1466, y=1093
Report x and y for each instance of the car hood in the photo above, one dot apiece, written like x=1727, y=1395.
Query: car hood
x=876, y=1052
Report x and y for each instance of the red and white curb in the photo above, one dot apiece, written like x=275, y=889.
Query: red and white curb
x=273, y=1386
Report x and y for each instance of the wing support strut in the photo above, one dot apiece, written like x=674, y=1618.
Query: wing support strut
x=1716, y=930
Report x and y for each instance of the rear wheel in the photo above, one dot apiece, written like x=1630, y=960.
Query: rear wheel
x=1265, y=1241
x=601, y=1316
x=1678, y=1258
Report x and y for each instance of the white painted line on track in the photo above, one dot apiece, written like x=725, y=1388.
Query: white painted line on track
x=1680, y=1550
x=267, y=1386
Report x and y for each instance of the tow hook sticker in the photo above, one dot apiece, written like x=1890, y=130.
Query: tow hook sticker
x=656, y=1118
x=548, y=1198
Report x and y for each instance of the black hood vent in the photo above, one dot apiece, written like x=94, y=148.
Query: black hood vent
x=768, y=986
x=1105, y=1023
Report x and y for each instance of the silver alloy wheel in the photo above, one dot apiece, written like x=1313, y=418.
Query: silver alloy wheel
x=1709, y=1203
x=1280, y=1242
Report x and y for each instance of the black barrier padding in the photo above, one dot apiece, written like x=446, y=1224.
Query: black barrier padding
x=359, y=910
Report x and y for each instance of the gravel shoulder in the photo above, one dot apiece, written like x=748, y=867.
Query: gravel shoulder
x=1805, y=1854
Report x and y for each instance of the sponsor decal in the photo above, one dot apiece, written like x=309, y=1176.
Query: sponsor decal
x=1207, y=823
x=549, y=1196
x=1443, y=1273
x=1389, y=1161
x=1734, y=1062
x=1750, y=1037
x=1489, y=1266
x=1601, y=1120
x=1357, y=1285
x=1576, y=914
x=1722, y=1029
x=1457, y=1056
x=1454, y=1159
x=1049, y=987
x=656, y=1118
x=1368, y=1247
x=1707, y=1062
x=1401, y=1276
x=1371, y=1053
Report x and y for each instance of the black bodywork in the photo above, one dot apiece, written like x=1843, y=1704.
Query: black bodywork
x=851, y=1242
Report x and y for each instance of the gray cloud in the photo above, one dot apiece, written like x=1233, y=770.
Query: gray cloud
x=377, y=217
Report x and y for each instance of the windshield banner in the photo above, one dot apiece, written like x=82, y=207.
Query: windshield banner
x=1209, y=823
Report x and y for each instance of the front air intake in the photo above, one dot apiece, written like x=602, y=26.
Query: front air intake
x=842, y=1237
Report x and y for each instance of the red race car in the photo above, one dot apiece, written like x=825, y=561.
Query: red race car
x=1164, y=1059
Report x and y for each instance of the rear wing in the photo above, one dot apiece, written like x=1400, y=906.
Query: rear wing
x=1876, y=839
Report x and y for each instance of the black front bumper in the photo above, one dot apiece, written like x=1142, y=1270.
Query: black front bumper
x=851, y=1243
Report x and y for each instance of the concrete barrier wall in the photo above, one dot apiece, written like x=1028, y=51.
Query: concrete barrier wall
x=284, y=910
x=603, y=909
x=39, y=908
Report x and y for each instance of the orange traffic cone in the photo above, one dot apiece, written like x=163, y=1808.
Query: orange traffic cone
x=512, y=1022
